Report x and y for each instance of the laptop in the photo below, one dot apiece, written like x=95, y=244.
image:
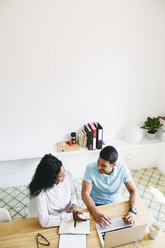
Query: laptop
x=119, y=233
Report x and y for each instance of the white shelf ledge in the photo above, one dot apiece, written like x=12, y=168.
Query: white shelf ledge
x=123, y=144
x=38, y=152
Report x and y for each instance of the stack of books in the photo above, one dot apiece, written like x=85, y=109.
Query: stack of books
x=82, y=138
x=91, y=136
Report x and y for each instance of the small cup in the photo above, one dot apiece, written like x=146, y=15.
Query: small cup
x=73, y=137
x=154, y=229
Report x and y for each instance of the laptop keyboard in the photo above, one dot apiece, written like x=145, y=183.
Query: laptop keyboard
x=116, y=224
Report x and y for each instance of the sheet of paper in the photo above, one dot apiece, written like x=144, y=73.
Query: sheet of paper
x=82, y=227
x=66, y=227
x=72, y=240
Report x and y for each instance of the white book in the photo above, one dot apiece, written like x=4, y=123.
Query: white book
x=80, y=138
x=73, y=241
x=82, y=227
x=85, y=138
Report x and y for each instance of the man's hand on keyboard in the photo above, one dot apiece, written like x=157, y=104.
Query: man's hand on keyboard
x=129, y=218
x=101, y=219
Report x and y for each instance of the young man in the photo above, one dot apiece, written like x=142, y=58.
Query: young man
x=102, y=183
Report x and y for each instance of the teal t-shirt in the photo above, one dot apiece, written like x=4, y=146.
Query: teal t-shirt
x=107, y=188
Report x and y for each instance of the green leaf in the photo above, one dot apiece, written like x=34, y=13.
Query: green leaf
x=152, y=124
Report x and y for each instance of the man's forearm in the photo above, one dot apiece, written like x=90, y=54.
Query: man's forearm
x=89, y=203
x=133, y=199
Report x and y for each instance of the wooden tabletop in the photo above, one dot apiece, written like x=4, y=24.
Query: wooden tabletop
x=21, y=233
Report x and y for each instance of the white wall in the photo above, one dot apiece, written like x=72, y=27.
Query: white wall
x=20, y=172
x=64, y=63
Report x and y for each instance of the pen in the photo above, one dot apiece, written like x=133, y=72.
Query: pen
x=74, y=223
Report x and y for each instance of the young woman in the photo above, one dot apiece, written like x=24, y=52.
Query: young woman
x=54, y=191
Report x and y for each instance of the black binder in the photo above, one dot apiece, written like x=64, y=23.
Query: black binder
x=89, y=136
x=99, y=137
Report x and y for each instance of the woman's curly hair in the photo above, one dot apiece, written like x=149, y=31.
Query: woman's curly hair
x=45, y=175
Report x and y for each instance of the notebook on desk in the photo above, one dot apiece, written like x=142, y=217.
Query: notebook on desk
x=72, y=240
x=81, y=227
x=119, y=233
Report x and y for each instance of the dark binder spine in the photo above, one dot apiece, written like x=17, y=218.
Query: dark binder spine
x=99, y=137
x=89, y=137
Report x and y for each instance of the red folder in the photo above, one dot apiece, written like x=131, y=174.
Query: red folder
x=93, y=128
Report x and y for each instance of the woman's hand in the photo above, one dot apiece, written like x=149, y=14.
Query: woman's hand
x=78, y=215
x=72, y=208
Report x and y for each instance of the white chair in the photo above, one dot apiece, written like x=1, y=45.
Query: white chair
x=4, y=215
x=32, y=208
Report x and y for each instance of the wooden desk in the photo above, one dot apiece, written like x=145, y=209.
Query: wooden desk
x=21, y=233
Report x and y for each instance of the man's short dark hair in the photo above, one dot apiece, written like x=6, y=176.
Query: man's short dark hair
x=110, y=154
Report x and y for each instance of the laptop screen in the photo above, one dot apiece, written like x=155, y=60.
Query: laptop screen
x=115, y=229
x=124, y=236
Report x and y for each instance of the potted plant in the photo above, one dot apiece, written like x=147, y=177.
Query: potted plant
x=152, y=125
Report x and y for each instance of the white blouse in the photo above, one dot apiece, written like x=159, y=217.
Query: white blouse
x=56, y=200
